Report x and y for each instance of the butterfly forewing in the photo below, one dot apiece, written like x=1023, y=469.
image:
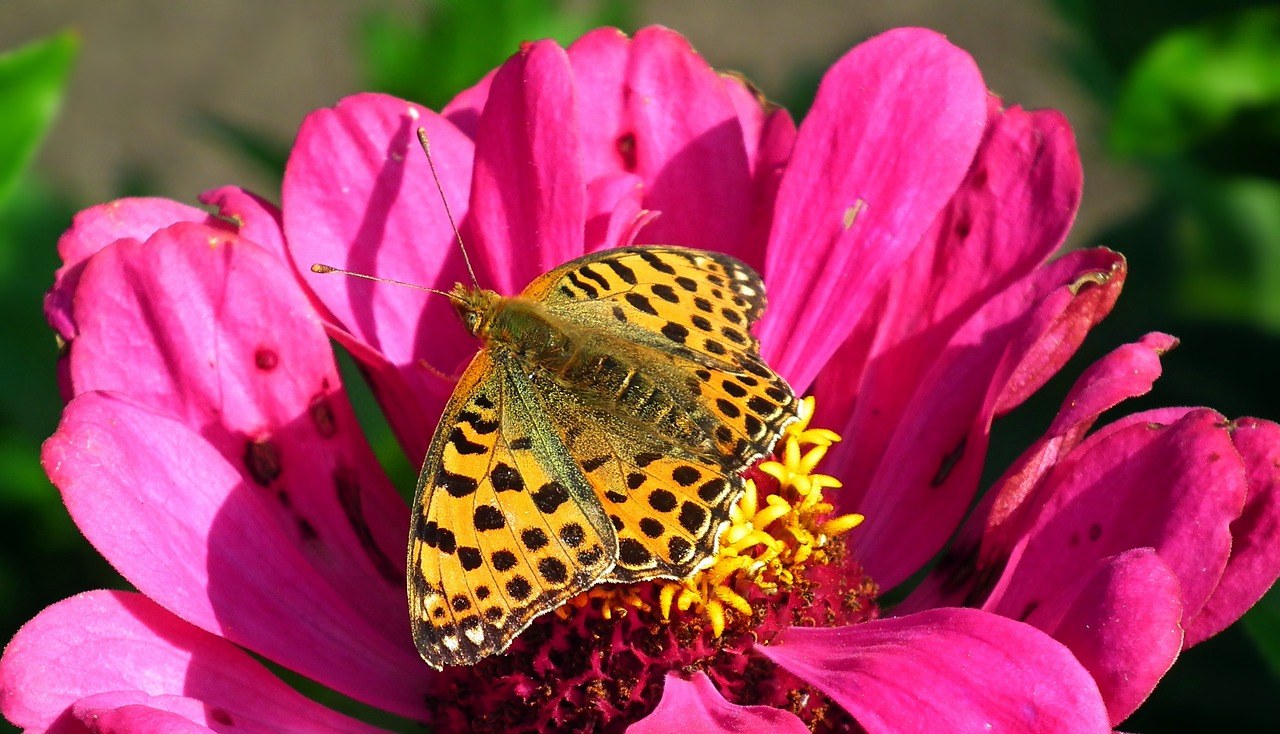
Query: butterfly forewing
x=504, y=529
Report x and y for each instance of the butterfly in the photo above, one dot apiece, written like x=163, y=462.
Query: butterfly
x=598, y=436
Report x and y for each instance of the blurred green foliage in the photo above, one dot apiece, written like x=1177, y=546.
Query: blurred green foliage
x=32, y=80
x=1191, y=95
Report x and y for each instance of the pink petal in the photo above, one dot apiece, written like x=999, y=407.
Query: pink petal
x=1168, y=480
x=1012, y=211
x=189, y=530
x=227, y=440
x=132, y=713
x=945, y=670
x=108, y=650
x=935, y=454
x=95, y=228
x=777, y=139
x=652, y=106
x=255, y=218
x=1005, y=513
x=694, y=706
x=1123, y=623
x=358, y=194
x=752, y=109
x=464, y=110
x=895, y=126
x=1255, y=535
x=528, y=195
x=1127, y=372
x=614, y=209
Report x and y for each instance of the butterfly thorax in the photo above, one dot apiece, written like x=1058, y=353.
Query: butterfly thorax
x=608, y=374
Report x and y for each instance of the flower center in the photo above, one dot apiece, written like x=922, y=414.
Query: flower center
x=600, y=661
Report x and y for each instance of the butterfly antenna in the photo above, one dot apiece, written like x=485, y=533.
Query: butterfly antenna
x=426, y=148
x=322, y=269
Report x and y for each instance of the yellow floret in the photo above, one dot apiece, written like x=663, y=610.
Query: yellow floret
x=768, y=545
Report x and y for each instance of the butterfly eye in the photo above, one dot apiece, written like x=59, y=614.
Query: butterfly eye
x=473, y=321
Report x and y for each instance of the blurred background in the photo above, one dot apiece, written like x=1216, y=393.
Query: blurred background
x=1176, y=105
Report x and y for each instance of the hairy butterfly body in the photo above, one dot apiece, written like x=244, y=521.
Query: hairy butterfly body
x=598, y=436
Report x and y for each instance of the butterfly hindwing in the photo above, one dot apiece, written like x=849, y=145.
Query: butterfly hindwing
x=666, y=504
x=504, y=529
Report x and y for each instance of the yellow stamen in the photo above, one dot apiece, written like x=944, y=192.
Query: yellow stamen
x=767, y=544
x=769, y=541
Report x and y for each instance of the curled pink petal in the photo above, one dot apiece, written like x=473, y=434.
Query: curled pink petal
x=1143, y=481
x=1122, y=622
x=1005, y=513
x=118, y=655
x=694, y=706
x=255, y=218
x=614, y=210
x=777, y=139
x=227, y=555
x=1009, y=215
x=140, y=714
x=464, y=110
x=1254, y=563
x=888, y=163
x=936, y=452
x=945, y=670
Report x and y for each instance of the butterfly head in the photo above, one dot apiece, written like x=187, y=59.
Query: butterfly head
x=475, y=306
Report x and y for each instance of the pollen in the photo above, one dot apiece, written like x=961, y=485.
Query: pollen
x=773, y=536
x=614, y=601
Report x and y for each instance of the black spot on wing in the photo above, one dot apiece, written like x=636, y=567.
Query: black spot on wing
x=657, y=263
x=505, y=478
x=463, y=445
x=590, y=291
x=572, y=535
x=587, y=271
x=457, y=485
x=503, y=560
x=662, y=500
x=665, y=292
x=488, y=517
x=620, y=269
x=476, y=421
x=640, y=302
x=549, y=497
x=533, y=538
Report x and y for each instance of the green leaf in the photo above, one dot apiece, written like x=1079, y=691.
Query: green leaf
x=32, y=81
x=1262, y=623
x=1226, y=233
x=1195, y=82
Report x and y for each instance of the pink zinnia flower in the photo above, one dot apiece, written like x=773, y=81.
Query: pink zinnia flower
x=208, y=450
